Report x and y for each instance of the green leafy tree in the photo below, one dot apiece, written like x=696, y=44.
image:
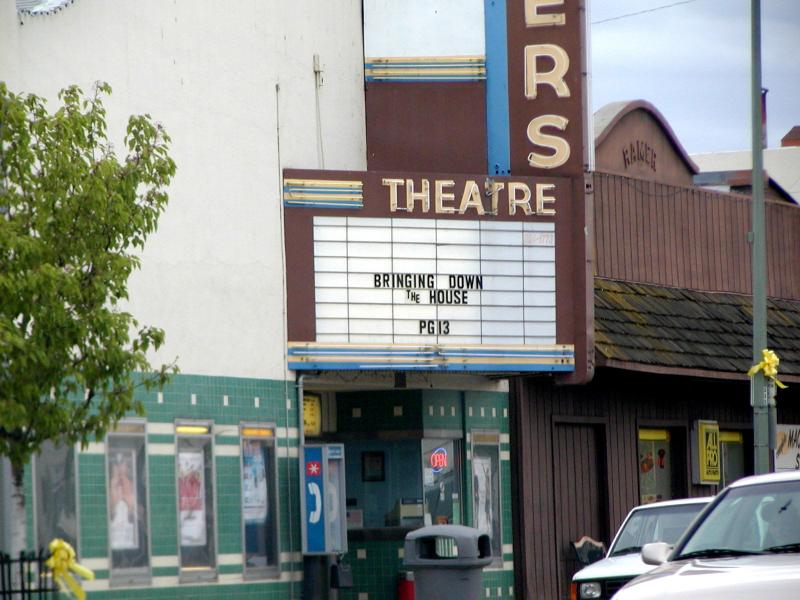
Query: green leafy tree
x=72, y=218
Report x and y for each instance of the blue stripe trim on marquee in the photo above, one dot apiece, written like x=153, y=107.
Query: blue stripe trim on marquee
x=311, y=356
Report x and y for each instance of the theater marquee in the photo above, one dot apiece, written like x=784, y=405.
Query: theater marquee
x=428, y=272
x=397, y=268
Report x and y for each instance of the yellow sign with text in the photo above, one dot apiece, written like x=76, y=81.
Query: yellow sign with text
x=709, y=451
x=312, y=414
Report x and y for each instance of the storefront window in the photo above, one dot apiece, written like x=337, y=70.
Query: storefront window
x=259, y=508
x=54, y=495
x=126, y=479
x=655, y=465
x=441, y=489
x=732, y=455
x=384, y=484
x=486, y=508
x=194, y=467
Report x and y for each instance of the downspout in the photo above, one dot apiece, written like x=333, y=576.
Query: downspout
x=465, y=469
x=300, y=394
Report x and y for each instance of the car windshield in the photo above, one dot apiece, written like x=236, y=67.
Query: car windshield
x=749, y=520
x=656, y=524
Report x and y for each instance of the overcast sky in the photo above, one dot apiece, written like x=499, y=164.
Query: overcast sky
x=692, y=61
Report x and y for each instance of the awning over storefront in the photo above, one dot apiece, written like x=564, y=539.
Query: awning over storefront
x=664, y=329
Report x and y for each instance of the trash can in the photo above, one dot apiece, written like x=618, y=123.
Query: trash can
x=447, y=561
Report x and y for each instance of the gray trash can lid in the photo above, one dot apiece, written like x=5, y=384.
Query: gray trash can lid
x=454, y=546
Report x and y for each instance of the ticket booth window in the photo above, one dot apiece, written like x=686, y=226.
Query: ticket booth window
x=655, y=462
x=259, y=502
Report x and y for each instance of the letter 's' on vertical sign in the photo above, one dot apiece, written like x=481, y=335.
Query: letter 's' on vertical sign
x=547, y=87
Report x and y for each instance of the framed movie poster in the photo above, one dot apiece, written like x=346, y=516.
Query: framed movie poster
x=486, y=504
x=191, y=497
x=254, y=482
x=372, y=466
x=122, y=500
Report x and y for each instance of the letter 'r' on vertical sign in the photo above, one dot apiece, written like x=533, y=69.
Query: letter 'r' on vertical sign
x=534, y=19
x=554, y=77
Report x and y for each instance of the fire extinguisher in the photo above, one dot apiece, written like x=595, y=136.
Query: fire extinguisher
x=405, y=585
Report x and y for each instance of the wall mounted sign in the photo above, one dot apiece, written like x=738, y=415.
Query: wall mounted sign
x=706, y=453
x=430, y=272
x=438, y=460
x=787, y=448
x=312, y=414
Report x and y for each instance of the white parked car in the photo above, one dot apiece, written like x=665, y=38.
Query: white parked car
x=745, y=545
x=656, y=522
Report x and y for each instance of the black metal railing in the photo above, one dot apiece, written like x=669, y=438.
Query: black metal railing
x=26, y=577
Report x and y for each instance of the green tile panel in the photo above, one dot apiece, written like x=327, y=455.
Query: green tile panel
x=229, y=498
x=93, y=521
x=163, y=506
x=160, y=438
x=245, y=591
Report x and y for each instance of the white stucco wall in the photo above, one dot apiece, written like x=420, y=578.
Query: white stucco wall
x=212, y=276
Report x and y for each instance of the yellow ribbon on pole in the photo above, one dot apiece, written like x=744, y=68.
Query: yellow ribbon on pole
x=62, y=563
x=769, y=364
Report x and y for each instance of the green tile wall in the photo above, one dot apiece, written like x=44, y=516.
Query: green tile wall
x=229, y=498
x=210, y=406
x=252, y=591
x=93, y=532
x=163, y=512
x=375, y=575
x=377, y=411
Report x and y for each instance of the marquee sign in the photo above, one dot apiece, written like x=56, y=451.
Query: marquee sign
x=425, y=272
x=401, y=269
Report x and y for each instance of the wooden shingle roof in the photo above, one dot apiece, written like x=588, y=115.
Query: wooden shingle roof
x=671, y=328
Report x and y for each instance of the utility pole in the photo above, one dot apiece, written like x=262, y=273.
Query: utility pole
x=762, y=391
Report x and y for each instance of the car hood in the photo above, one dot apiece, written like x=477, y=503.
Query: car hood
x=742, y=577
x=613, y=567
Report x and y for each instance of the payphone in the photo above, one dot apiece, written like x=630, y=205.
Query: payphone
x=323, y=499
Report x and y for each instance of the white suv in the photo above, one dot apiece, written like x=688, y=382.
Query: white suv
x=745, y=545
x=656, y=522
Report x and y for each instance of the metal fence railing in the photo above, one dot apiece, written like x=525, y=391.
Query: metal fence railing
x=26, y=577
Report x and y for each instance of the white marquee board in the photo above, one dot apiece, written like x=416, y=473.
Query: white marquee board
x=434, y=281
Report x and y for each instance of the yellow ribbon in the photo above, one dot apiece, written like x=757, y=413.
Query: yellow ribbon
x=769, y=364
x=61, y=562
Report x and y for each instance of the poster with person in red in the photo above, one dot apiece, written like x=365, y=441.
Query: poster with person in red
x=191, y=498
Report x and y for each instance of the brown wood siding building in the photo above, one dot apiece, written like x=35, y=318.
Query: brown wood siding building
x=577, y=458
x=689, y=237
